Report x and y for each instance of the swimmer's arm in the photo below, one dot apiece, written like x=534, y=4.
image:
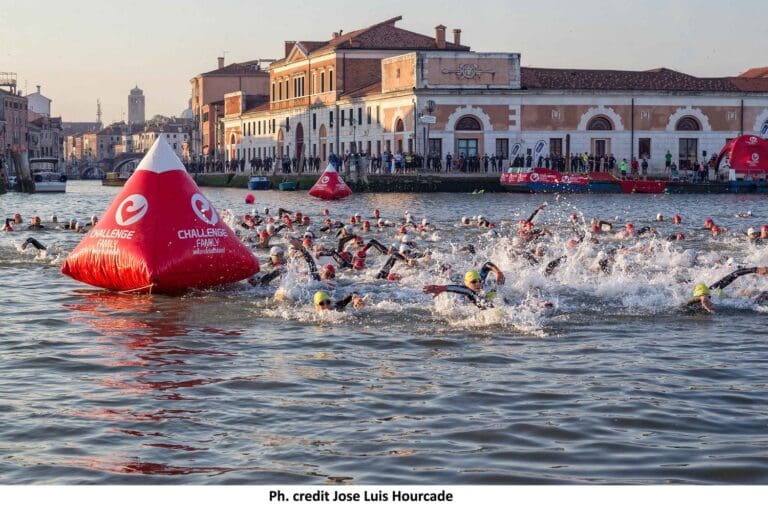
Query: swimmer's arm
x=385, y=270
x=311, y=263
x=344, y=242
x=338, y=258
x=491, y=267
x=377, y=245
x=722, y=283
x=552, y=265
x=353, y=298
x=536, y=212
x=267, y=278
x=34, y=243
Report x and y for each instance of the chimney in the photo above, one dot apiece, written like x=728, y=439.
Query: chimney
x=38, y=89
x=457, y=36
x=288, y=47
x=334, y=35
x=221, y=62
x=440, y=36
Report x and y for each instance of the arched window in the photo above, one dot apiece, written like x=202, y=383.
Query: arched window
x=468, y=124
x=399, y=126
x=600, y=123
x=232, y=139
x=688, y=124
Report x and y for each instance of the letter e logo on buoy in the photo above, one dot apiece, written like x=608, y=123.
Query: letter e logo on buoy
x=131, y=210
x=202, y=208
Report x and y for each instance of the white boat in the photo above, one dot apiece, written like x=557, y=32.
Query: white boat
x=46, y=175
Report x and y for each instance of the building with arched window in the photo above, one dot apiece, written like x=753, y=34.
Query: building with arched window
x=384, y=89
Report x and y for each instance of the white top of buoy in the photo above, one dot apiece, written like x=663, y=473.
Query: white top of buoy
x=330, y=168
x=160, y=158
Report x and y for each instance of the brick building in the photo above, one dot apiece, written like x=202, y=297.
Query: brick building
x=385, y=89
x=208, y=91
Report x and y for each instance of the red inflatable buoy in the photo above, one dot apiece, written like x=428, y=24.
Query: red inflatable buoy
x=249, y=199
x=330, y=185
x=160, y=235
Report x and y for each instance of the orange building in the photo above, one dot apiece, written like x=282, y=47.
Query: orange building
x=383, y=89
x=208, y=91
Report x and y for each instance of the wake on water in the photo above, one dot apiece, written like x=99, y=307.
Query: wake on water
x=639, y=277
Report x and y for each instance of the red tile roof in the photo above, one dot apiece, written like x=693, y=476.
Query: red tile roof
x=381, y=36
x=660, y=79
x=755, y=73
x=250, y=67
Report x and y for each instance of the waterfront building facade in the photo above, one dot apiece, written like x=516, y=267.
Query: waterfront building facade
x=208, y=91
x=13, y=122
x=384, y=90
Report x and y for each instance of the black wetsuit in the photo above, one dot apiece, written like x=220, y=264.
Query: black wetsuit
x=34, y=243
x=387, y=268
x=470, y=295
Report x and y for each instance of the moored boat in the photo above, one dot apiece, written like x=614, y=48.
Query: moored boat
x=258, y=183
x=287, y=185
x=46, y=175
x=114, y=179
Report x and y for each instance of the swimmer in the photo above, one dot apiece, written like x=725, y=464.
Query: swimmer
x=323, y=302
x=472, y=289
x=8, y=225
x=702, y=293
x=36, y=225
x=599, y=226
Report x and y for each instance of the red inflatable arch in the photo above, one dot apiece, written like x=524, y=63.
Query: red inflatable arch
x=160, y=235
x=747, y=155
x=330, y=185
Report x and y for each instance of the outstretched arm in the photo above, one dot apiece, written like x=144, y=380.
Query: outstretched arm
x=722, y=283
x=34, y=243
x=536, y=211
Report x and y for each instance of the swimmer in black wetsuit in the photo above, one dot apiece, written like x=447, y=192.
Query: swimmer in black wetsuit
x=473, y=286
x=34, y=243
x=702, y=293
x=323, y=302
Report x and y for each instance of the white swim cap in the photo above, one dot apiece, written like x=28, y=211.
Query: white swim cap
x=270, y=228
x=405, y=239
x=404, y=248
x=751, y=231
x=424, y=221
x=276, y=250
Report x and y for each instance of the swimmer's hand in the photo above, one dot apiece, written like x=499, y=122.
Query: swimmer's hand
x=434, y=289
x=762, y=271
x=500, y=278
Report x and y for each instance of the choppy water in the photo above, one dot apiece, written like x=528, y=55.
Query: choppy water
x=616, y=385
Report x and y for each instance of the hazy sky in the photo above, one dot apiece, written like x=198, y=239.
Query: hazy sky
x=83, y=50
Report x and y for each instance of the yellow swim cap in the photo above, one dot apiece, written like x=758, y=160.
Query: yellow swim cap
x=470, y=276
x=700, y=289
x=320, y=297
